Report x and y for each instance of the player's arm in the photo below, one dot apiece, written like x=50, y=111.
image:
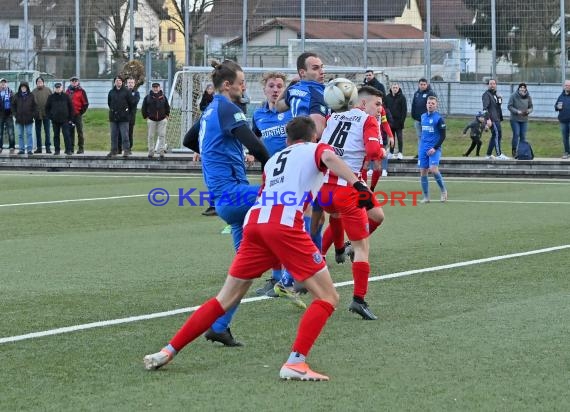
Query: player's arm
x=372, y=142
x=191, y=139
x=441, y=126
x=246, y=137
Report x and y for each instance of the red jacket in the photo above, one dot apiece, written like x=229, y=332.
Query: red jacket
x=78, y=100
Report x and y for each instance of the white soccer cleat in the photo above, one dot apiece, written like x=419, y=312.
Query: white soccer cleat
x=444, y=197
x=300, y=372
x=425, y=200
x=157, y=360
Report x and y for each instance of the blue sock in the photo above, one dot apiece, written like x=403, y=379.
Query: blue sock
x=296, y=357
x=318, y=238
x=286, y=278
x=276, y=274
x=425, y=186
x=439, y=179
x=223, y=322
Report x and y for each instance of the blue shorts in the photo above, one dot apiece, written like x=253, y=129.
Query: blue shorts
x=235, y=201
x=425, y=161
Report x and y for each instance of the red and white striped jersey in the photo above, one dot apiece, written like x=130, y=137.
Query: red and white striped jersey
x=349, y=133
x=291, y=179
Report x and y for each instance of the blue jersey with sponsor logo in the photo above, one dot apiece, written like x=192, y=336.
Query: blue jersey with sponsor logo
x=270, y=126
x=222, y=154
x=432, y=125
x=306, y=97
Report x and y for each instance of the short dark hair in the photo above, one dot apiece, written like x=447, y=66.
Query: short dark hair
x=369, y=71
x=369, y=91
x=227, y=70
x=302, y=60
x=423, y=79
x=40, y=78
x=301, y=128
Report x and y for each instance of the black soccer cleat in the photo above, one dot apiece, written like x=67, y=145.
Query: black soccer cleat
x=267, y=289
x=362, y=309
x=225, y=338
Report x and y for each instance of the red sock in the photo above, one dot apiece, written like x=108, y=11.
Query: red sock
x=197, y=323
x=375, y=178
x=372, y=225
x=337, y=230
x=364, y=174
x=327, y=240
x=360, y=273
x=311, y=324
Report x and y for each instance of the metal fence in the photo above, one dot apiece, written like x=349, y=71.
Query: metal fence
x=465, y=40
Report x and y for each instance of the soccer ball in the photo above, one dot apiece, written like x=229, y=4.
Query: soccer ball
x=340, y=93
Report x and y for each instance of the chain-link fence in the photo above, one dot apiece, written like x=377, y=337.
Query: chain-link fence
x=452, y=40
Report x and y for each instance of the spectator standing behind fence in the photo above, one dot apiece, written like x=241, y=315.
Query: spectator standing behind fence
x=6, y=119
x=398, y=107
x=24, y=107
x=371, y=80
x=120, y=101
x=60, y=111
x=419, y=102
x=562, y=106
x=207, y=97
x=156, y=110
x=520, y=106
x=492, y=102
x=41, y=93
x=80, y=104
x=136, y=96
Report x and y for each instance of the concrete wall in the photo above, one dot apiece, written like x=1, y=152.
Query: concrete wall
x=455, y=98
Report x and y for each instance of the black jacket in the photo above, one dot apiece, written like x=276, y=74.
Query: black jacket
x=419, y=102
x=492, y=103
x=24, y=105
x=59, y=108
x=155, y=107
x=120, y=102
x=376, y=84
x=398, y=107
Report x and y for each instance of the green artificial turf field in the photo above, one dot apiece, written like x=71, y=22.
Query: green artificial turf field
x=488, y=334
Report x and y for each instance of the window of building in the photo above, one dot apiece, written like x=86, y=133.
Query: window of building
x=138, y=33
x=37, y=30
x=14, y=32
x=171, y=35
x=159, y=34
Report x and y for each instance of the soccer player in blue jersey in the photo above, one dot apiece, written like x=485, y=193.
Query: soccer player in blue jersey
x=219, y=137
x=306, y=98
x=269, y=125
x=429, y=148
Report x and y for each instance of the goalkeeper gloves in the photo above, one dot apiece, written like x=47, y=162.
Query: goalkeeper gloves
x=364, y=195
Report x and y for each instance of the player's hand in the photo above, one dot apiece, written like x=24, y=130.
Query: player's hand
x=382, y=153
x=196, y=157
x=430, y=151
x=391, y=142
x=364, y=195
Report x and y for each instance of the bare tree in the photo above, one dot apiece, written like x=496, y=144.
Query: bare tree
x=109, y=11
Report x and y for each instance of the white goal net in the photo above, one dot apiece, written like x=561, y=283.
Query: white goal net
x=190, y=83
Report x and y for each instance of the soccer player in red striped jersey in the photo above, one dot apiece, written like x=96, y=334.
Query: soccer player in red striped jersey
x=355, y=135
x=274, y=233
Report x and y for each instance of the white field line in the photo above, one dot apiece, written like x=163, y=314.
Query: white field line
x=131, y=319
x=195, y=175
x=389, y=203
